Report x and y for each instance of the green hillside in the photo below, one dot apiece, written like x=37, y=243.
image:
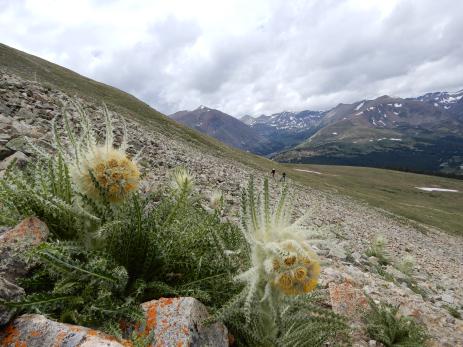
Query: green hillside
x=393, y=191
x=390, y=190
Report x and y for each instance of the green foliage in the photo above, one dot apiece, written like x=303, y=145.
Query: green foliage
x=76, y=286
x=386, y=325
x=172, y=246
x=298, y=321
x=161, y=244
x=46, y=191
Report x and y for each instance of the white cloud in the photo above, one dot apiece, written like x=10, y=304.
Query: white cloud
x=247, y=56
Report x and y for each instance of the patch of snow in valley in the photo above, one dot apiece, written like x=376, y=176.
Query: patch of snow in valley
x=359, y=106
x=359, y=113
x=397, y=105
x=310, y=171
x=433, y=189
x=393, y=139
x=334, y=133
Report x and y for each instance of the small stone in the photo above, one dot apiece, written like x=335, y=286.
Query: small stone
x=372, y=343
x=448, y=298
x=337, y=252
x=20, y=158
x=25, y=114
x=20, y=144
x=356, y=256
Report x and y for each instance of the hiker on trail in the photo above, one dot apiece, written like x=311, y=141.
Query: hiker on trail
x=283, y=177
x=273, y=173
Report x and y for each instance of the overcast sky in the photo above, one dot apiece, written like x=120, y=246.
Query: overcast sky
x=250, y=56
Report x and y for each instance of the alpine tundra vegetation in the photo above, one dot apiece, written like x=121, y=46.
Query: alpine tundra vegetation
x=114, y=246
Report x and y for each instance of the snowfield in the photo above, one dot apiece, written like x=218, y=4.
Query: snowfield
x=427, y=189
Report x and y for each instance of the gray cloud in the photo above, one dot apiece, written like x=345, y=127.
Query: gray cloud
x=241, y=58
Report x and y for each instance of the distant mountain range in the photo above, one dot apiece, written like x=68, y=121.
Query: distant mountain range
x=224, y=128
x=418, y=134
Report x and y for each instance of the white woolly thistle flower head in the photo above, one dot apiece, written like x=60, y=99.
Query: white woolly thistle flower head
x=282, y=259
x=99, y=170
x=107, y=172
x=182, y=181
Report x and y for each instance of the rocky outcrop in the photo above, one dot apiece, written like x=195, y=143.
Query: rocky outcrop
x=14, y=243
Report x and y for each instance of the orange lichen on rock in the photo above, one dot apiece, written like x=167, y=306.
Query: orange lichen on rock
x=31, y=228
x=347, y=300
x=11, y=336
x=60, y=338
x=151, y=317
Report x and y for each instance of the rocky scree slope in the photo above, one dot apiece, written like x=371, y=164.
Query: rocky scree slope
x=27, y=107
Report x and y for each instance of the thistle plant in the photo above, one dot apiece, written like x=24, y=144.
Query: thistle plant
x=278, y=305
x=283, y=261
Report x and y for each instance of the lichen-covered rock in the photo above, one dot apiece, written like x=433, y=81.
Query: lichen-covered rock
x=15, y=242
x=33, y=330
x=347, y=300
x=179, y=322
